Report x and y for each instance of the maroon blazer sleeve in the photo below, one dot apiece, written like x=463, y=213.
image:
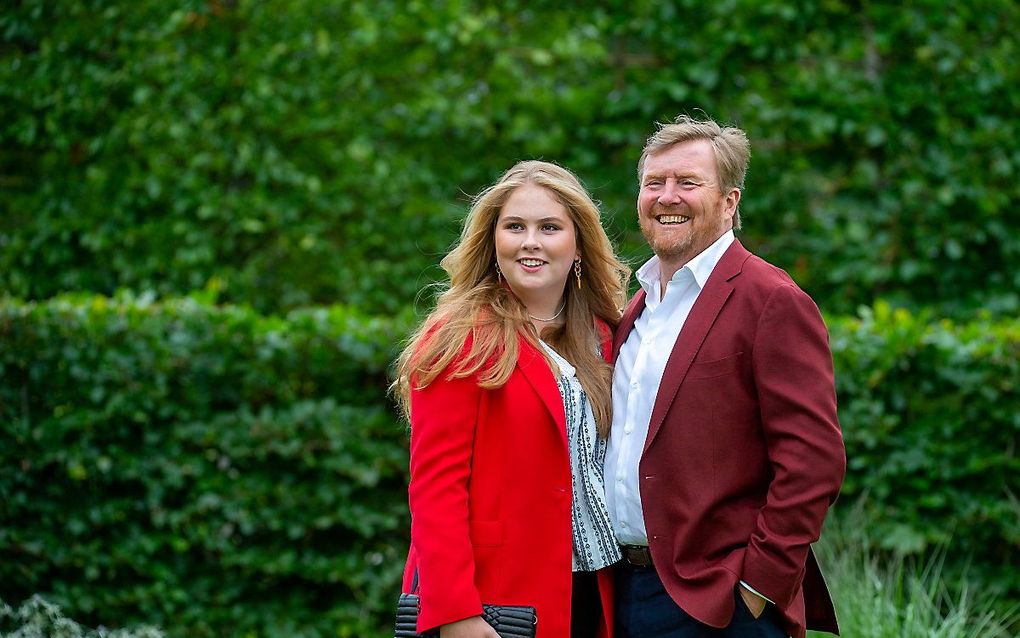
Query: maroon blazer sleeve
x=792, y=367
x=443, y=419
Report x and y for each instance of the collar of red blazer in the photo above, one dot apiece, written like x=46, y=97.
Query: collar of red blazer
x=533, y=366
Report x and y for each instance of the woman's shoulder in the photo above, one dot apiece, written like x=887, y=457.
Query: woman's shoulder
x=471, y=349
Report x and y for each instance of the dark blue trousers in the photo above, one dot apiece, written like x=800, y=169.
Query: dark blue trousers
x=645, y=610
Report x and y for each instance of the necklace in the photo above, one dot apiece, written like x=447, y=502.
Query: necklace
x=558, y=313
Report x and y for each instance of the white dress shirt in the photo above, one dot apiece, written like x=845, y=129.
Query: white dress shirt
x=639, y=369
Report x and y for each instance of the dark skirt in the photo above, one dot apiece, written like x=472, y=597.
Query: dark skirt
x=585, y=606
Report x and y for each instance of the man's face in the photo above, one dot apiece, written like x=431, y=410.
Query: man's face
x=681, y=209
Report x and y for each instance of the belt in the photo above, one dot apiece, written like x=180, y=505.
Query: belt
x=636, y=555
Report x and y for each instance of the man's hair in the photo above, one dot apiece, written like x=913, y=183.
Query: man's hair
x=729, y=143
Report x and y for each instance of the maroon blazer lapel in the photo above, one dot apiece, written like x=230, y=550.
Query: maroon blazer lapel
x=706, y=309
x=630, y=315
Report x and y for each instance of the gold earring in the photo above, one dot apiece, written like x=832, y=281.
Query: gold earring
x=577, y=272
x=499, y=275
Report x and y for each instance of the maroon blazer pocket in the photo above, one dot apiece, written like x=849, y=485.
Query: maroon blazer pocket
x=716, y=368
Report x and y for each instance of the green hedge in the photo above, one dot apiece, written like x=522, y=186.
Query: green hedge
x=930, y=411
x=208, y=470
x=297, y=152
x=218, y=472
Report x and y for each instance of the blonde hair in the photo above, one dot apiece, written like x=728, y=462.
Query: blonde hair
x=730, y=144
x=475, y=327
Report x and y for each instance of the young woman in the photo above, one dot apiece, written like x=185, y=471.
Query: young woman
x=507, y=389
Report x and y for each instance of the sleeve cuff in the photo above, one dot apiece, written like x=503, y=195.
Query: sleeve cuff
x=755, y=592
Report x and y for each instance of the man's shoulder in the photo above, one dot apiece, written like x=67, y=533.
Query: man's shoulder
x=762, y=273
x=759, y=280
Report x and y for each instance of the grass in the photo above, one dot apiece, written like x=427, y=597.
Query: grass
x=887, y=596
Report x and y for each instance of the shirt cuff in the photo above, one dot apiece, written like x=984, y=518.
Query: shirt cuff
x=755, y=592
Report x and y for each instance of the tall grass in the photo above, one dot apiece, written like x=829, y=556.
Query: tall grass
x=882, y=595
x=37, y=618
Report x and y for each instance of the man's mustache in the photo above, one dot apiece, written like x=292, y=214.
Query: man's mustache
x=671, y=209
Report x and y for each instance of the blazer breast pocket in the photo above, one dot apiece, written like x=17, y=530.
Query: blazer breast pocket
x=717, y=367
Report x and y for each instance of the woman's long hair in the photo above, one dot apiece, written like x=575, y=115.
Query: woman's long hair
x=478, y=320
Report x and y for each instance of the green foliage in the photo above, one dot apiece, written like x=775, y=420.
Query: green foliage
x=217, y=472
x=930, y=418
x=37, y=618
x=306, y=151
x=879, y=594
x=209, y=470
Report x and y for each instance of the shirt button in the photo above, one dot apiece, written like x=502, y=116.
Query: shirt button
x=623, y=524
x=619, y=479
x=627, y=429
x=634, y=385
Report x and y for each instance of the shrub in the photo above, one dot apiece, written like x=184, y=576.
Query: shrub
x=215, y=471
x=929, y=410
x=310, y=151
x=205, y=469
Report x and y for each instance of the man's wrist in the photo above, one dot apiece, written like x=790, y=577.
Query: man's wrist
x=754, y=601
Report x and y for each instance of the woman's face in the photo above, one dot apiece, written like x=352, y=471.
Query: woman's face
x=536, y=245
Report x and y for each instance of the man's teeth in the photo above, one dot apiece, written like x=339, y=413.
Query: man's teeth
x=532, y=262
x=673, y=219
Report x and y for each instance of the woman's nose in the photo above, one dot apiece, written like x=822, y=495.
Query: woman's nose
x=531, y=240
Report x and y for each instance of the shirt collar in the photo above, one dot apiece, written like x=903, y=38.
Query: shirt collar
x=701, y=266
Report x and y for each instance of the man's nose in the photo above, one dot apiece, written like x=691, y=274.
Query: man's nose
x=670, y=192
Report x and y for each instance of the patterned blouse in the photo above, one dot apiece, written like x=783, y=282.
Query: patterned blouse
x=595, y=545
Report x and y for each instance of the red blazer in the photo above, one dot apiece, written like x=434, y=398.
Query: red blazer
x=490, y=499
x=744, y=454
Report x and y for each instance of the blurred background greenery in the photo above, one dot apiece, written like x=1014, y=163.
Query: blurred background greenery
x=216, y=218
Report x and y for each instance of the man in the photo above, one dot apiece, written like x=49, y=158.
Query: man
x=725, y=452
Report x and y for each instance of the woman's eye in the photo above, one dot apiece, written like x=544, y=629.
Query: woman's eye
x=550, y=227
x=514, y=226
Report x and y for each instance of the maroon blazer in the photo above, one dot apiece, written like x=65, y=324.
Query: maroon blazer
x=744, y=454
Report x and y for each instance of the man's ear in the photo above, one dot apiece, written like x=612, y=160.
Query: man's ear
x=731, y=201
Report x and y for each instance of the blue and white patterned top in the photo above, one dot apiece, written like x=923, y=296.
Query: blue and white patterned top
x=594, y=544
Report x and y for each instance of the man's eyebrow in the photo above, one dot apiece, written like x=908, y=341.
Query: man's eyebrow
x=676, y=174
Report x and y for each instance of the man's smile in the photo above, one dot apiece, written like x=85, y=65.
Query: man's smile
x=667, y=220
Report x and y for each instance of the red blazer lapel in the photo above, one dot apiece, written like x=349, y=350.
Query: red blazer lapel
x=630, y=315
x=535, y=369
x=706, y=309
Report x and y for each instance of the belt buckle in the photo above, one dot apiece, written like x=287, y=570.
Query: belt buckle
x=636, y=555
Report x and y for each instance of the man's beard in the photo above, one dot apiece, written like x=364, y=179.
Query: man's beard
x=668, y=249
